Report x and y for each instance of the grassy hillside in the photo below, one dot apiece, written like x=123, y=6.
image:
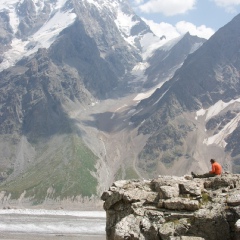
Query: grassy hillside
x=65, y=171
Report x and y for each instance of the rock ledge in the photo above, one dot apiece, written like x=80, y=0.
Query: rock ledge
x=174, y=208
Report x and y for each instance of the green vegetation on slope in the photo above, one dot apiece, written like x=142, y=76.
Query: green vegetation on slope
x=66, y=171
x=131, y=174
x=127, y=173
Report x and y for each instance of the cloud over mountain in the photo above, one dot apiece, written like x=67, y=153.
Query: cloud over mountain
x=182, y=27
x=229, y=5
x=168, y=8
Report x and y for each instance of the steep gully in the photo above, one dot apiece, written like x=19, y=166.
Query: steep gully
x=107, y=130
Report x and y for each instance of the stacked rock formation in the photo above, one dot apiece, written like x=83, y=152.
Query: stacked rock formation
x=174, y=208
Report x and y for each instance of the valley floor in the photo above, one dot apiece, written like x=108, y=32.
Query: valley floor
x=32, y=224
x=110, y=135
x=14, y=236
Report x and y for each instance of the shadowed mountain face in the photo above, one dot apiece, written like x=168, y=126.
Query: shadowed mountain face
x=33, y=94
x=170, y=57
x=69, y=75
x=57, y=62
x=208, y=80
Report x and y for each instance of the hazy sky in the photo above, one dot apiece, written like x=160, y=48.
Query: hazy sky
x=174, y=17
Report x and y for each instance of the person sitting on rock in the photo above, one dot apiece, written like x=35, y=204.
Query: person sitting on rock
x=216, y=170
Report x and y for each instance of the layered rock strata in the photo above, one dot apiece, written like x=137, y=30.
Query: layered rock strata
x=174, y=208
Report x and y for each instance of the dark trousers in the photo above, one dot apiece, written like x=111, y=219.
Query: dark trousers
x=205, y=175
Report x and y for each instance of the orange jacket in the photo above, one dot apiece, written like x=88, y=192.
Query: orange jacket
x=216, y=168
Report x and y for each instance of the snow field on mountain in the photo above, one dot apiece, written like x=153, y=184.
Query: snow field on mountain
x=213, y=111
x=219, y=137
x=46, y=35
x=43, y=38
x=7, y=3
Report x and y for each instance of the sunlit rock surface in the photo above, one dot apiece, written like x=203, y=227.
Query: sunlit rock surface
x=174, y=208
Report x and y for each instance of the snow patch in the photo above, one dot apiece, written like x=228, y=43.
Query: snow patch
x=43, y=38
x=6, y=3
x=140, y=69
x=153, y=44
x=124, y=22
x=94, y=103
x=123, y=106
x=14, y=54
x=200, y=112
x=219, y=137
x=113, y=115
x=149, y=42
x=148, y=38
x=14, y=21
x=218, y=107
x=147, y=94
x=45, y=35
x=138, y=72
x=169, y=44
x=60, y=4
x=39, y=5
x=215, y=109
x=142, y=96
x=160, y=97
x=195, y=47
x=103, y=4
x=132, y=111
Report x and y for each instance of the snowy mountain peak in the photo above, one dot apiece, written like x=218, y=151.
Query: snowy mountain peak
x=33, y=29
x=134, y=31
x=34, y=24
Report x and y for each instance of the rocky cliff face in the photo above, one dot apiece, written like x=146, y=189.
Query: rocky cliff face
x=178, y=115
x=174, y=208
x=170, y=57
x=60, y=62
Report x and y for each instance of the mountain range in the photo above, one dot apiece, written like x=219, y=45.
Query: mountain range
x=90, y=95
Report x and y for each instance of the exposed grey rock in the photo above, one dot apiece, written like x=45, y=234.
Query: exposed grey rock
x=167, y=230
x=191, y=188
x=128, y=228
x=5, y=31
x=167, y=116
x=42, y=95
x=111, y=198
x=181, y=204
x=31, y=19
x=193, y=213
x=165, y=60
x=234, y=199
x=168, y=191
x=238, y=226
x=220, y=182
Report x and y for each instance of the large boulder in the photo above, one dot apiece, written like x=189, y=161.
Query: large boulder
x=174, y=208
